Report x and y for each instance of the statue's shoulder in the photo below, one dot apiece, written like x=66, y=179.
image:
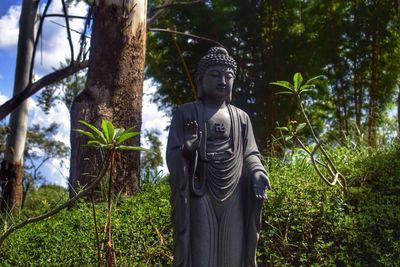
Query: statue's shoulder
x=240, y=113
x=187, y=107
x=186, y=110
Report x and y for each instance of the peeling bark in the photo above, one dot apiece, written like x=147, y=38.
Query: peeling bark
x=113, y=90
x=11, y=183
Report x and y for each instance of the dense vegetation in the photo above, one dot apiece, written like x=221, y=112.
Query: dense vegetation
x=305, y=222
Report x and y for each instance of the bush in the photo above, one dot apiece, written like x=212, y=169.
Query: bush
x=141, y=230
x=305, y=222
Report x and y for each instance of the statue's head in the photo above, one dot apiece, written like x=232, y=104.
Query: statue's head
x=215, y=74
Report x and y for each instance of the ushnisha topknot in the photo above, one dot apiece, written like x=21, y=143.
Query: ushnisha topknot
x=215, y=56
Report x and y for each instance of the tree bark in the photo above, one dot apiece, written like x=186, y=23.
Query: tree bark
x=12, y=166
x=113, y=90
x=372, y=112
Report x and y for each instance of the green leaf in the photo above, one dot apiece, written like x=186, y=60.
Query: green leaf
x=118, y=132
x=285, y=129
x=287, y=138
x=310, y=81
x=88, y=134
x=284, y=84
x=133, y=148
x=305, y=90
x=125, y=136
x=285, y=93
x=297, y=80
x=108, y=130
x=307, y=86
x=301, y=126
x=98, y=134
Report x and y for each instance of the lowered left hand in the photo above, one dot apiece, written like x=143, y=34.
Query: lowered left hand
x=260, y=183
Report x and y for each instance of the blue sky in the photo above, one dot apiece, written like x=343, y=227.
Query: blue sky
x=54, y=50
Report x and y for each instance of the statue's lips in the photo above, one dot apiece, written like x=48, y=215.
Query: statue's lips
x=221, y=88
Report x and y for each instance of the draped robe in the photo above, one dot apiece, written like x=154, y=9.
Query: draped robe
x=215, y=214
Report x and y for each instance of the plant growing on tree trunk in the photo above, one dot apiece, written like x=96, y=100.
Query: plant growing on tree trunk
x=296, y=89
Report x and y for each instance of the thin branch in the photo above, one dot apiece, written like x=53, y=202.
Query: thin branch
x=63, y=16
x=33, y=88
x=170, y=5
x=83, y=35
x=157, y=14
x=72, y=30
x=71, y=46
x=186, y=35
x=39, y=32
x=185, y=67
x=161, y=10
x=57, y=209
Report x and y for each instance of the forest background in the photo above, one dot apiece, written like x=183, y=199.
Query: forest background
x=354, y=109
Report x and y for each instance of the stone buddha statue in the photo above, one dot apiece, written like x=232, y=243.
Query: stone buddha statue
x=217, y=180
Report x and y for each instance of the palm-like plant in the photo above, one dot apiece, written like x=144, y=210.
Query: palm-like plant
x=297, y=89
x=111, y=140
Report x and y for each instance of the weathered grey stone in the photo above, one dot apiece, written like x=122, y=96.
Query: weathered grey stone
x=217, y=180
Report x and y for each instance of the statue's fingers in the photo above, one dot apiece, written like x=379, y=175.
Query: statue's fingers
x=264, y=194
x=258, y=192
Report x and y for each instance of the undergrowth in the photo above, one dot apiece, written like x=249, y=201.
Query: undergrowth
x=305, y=222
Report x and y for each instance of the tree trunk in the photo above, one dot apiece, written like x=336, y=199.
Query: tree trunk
x=113, y=90
x=12, y=165
x=372, y=113
x=398, y=114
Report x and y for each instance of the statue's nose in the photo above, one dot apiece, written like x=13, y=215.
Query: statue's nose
x=222, y=80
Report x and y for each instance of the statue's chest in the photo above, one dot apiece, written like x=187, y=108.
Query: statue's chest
x=219, y=125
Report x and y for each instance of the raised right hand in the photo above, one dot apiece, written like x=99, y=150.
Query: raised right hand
x=192, y=138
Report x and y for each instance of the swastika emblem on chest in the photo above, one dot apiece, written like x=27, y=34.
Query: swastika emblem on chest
x=219, y=128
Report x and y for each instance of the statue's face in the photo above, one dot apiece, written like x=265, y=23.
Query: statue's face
x=218, y=82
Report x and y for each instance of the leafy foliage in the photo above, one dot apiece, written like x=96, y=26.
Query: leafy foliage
x=151, y=161
x=355, y=44
x=110, y=137
x=305, y=223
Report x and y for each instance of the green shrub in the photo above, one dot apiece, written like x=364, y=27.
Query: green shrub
x=305, y=222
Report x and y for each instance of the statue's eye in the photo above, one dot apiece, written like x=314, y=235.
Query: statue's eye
x=228, y=76
x=214, y=74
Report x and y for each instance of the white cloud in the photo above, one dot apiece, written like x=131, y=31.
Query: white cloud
x=9, y=27
x=55, y=46
x=3, y=99
x=152, y=118
x=55, y=170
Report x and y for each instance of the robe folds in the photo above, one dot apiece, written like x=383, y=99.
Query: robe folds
x=215, y=214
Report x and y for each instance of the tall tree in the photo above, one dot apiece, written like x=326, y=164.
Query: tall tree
x=12, y=165
x=354, y=43
x=113, y=88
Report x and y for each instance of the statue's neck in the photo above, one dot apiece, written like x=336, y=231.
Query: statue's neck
x=214, y=103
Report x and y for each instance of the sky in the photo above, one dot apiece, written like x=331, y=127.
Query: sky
x=54, y=49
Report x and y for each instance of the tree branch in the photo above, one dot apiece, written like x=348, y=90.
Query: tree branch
x=72, y=30
x=186, y=34
x=63, y=16
x=39, y=31
x=160, y=10
x=33, y=88
x=71, y=46
x=170, y=5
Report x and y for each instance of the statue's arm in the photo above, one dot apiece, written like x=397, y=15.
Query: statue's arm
x=253, y=163
x=178, y=179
